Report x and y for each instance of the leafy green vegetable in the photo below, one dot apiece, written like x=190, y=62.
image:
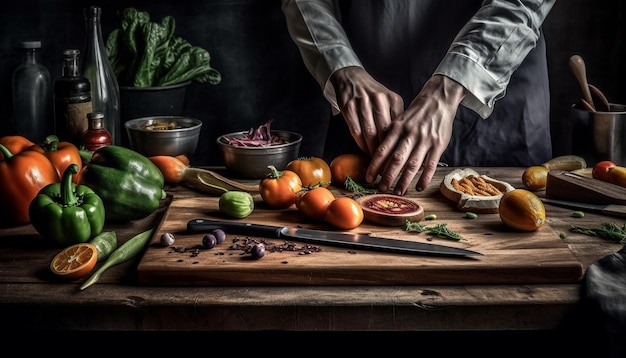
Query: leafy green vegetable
x=607, y=230
x=144, y=53
x=439, y=230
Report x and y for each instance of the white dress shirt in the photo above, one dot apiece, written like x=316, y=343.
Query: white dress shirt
x=479, y=44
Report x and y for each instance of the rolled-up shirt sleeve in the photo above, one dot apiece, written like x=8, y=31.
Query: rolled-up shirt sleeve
x=315, y=28
x=482, y=57
x=490, y=47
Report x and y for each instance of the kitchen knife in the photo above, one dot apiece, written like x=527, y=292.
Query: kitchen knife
x=606, y=209
x=357, y=241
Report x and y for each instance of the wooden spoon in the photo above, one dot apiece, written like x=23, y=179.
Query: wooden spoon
x=582, y=104
x=602, y=104
x=577, y=65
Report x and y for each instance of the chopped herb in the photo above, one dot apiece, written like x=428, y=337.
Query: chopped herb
x=439, y=230
x=356, y=188
x=607, y=230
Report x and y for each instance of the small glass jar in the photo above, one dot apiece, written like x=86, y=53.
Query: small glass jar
x=96, y=136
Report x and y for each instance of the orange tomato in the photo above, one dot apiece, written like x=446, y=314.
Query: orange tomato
x=344, y=213
x=349, y=165
x=311, y=170
x=278, y=189
x=313, y=203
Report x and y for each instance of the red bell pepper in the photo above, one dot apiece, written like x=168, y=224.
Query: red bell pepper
x=22, y=175
x=60, y=154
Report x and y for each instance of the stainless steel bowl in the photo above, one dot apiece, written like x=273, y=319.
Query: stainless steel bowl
x=252, y=162
x=152, y=142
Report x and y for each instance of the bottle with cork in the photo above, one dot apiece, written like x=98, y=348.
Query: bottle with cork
x=72, y=100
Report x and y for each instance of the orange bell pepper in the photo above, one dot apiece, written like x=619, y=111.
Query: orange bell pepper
x=60, y=154
x=15, y=144
x=22, y=176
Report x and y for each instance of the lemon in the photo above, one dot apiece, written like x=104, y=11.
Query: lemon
x=535, y=177
x=522, y=210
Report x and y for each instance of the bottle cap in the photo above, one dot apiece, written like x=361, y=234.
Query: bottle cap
x=95, y=115
x=71, y=52
x=30, y=44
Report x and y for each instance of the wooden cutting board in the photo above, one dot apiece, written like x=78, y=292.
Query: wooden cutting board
x=510, y=257
x=565, y=185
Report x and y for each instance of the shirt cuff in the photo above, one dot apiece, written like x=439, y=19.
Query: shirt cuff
x=483, y=90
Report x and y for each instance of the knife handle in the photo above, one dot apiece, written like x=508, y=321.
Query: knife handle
x=232, y=227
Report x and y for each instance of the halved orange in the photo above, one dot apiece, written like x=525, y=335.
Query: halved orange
x=522, y=210
x=75, y=261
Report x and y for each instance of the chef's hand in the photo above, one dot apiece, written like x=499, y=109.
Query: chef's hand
x=417, y=138
x=367, y=106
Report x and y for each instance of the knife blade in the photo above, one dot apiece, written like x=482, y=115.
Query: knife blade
x=358, y=241
x=606, y=209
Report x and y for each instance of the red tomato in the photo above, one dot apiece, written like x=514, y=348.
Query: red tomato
x=344, y=213
x=601, y=170
x=313, y=203
x=352, y=165
x=311, y=170
x=278, y=189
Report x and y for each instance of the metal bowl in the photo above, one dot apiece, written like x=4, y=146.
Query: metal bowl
x=151, y=142
x=252, y=162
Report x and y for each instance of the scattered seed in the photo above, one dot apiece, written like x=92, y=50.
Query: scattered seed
x=430, y=217
x=578, y=214
x=470, y=215
x=562, y=235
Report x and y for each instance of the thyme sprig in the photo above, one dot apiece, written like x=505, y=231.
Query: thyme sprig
x=440, y=230
x=607, y=230
x=356, y=188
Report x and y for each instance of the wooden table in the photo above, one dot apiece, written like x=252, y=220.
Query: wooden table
x=31, y=299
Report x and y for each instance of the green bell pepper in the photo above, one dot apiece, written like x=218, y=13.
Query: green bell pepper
x=130, y=185
x=66, y=212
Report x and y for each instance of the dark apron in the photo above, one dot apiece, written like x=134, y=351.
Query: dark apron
x=402, y=50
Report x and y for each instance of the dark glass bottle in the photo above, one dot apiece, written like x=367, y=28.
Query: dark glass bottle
x=32, y=95
x=72, y=100
x=96, y=135
x=95, y=66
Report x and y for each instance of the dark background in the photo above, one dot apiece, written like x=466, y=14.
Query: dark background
x=263, y=76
